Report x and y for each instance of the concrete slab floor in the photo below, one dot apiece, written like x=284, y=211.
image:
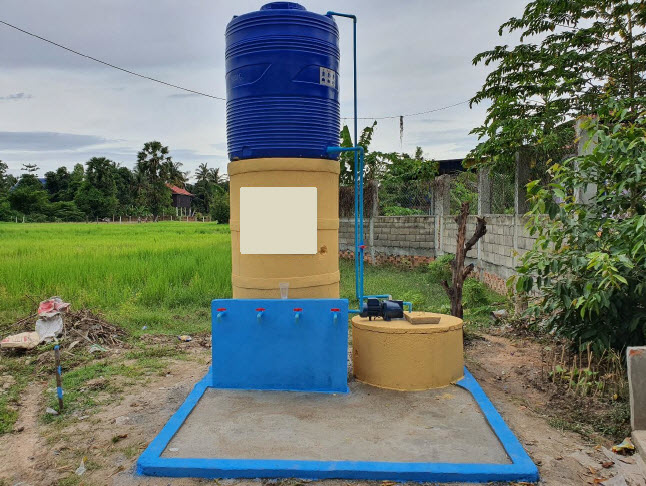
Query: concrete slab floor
x=369, y=424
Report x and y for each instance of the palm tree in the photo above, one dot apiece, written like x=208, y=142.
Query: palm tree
x=202, y=173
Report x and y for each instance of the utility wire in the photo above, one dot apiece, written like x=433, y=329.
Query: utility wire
x=411, y=114
x=110, y=65
x=105, y=63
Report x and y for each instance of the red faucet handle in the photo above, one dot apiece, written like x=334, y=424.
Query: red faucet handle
x=221, y=309
x=335, y=310
x=363, y=247
x=260, y=309
x=298, y=309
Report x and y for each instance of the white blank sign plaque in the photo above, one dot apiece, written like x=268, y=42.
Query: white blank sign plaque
x=278, y=221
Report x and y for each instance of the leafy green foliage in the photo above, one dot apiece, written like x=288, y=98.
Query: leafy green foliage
x=572, y=54
x=153, y=165
x=66, y=211
x=28, y=196
x=589, y=261
x=464, y=188
x=209, y=191
x=475, y=293
x=6, y=180
x=220, y=210
x=58, y=184
x=403, y=180
x=440, y=268
x=97, y=196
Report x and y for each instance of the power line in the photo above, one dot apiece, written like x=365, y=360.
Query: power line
x=105, y=63
x=109, y=64
x=409, y=114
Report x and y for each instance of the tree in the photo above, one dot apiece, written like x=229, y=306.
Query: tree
x=97, y=196
x=373, y=162
x=125, y=185
x=459, y=272
x=585, y=50
x=76, y=179
x=57, y=184
x=172, y=174
x=30, y=168
x=589, y=261
x=29, y=196
x=210, y=190
x=153, y=192
x=406, y=182
x=6, y=180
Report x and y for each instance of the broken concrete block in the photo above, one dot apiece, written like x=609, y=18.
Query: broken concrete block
x=422, y=317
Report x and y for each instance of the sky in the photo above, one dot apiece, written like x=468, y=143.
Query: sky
x=57, y=108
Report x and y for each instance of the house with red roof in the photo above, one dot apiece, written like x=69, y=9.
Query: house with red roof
x=181, y=200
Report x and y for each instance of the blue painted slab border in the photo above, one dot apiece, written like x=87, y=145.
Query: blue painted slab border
x=151, y=463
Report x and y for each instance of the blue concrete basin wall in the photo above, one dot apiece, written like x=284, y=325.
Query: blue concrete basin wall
x=291, y=344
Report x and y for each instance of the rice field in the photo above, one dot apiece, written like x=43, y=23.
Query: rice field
x=160, y=275
x=153, y=278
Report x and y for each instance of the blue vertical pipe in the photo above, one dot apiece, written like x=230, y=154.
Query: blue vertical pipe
x=358, y=173
x=358, y=222
x=359, y=245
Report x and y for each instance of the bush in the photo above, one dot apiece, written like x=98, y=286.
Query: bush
x=6, y=213
x=36, y=218
x=66, y=211
x=220, y=210
x=475, y=293
x=440, y=268
x=589, y=260
x=415, y=298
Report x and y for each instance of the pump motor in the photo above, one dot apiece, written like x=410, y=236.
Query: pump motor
x=386, y=309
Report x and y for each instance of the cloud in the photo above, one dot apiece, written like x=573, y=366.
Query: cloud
x=47, y=141
x=16, y=97
x=184, y=95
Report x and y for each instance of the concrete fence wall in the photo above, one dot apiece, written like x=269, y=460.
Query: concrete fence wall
x=420, y=239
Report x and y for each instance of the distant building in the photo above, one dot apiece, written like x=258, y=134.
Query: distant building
x=450, y=166
x=181, y=200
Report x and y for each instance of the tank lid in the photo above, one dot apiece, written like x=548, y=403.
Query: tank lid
x=282, y=6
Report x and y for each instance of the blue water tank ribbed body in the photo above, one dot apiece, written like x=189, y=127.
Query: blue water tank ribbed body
x=282, y=77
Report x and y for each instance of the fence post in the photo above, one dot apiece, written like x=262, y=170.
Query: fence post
x=484, y=207
x=520, y=183
x=484, y=191
x=442, y=207
x=374, y=212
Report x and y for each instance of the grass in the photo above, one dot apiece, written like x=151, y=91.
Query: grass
x=149, y=279
x=98, y=382
x=162, y=275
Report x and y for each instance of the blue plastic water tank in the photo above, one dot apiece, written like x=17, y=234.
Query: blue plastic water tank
x=282, y=76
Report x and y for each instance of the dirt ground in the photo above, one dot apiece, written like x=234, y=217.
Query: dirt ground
x=111, y=439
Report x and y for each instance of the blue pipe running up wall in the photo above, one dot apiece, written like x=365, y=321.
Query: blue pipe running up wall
x=358, y=221
x=359, y=245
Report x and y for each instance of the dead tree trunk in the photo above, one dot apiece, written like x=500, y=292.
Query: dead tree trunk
x=458, y=271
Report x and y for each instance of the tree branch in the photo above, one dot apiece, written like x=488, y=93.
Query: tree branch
x=481, y=230
x=467, y=270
